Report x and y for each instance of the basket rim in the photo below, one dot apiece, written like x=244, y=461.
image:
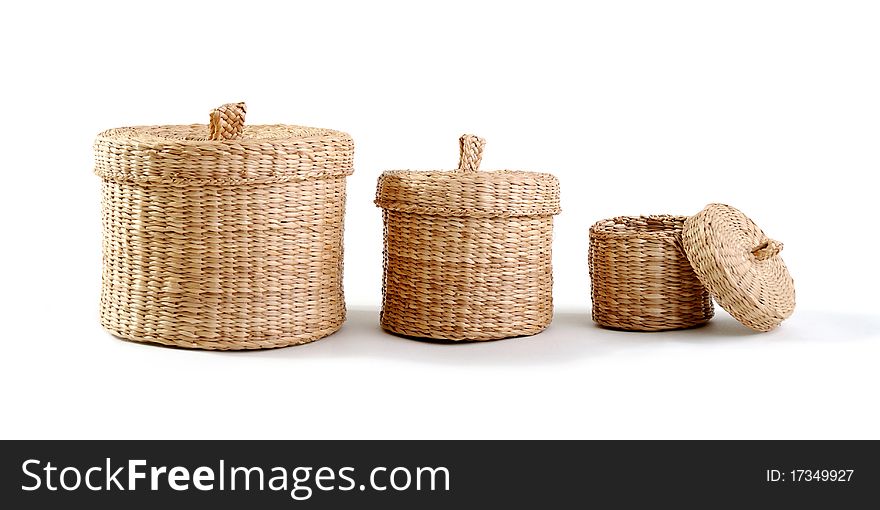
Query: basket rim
x=181, y=154
x=483, y=194
x=608, y=228
x=505, y=174
x=152, y=134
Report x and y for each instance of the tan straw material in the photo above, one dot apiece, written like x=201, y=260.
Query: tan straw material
x=223, y=236
x=467, y=253
x=641, y=279
x=740, y=266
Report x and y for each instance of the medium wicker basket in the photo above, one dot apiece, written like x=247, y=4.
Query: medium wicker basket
x=654, y=273
x=223, y=236
x=467, y=253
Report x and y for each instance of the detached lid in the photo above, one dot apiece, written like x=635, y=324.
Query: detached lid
x=740, y=266
x=467, y=192
x=225, y=151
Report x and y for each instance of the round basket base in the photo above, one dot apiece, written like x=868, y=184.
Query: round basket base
x=233, y=345
x=648, y=328
x=417, y=333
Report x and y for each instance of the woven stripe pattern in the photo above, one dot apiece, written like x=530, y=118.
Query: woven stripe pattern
x=225, y=243
x=740, y=265
x=641, y=278
x=467, y=253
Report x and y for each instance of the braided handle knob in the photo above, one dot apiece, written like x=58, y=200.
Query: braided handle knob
x=767, y=249
x=471, y=147
x=227, y=122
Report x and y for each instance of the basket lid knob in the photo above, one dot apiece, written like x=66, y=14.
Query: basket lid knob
x=767, y=249
x=227, y=121
x=471, y=149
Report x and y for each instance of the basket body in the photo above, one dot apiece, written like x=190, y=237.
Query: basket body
x=641, y=278
x=459, y=278
x=215, y=245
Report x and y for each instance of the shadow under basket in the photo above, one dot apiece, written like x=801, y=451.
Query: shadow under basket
x=655, y=273
x=223, y=236
x=467, y=253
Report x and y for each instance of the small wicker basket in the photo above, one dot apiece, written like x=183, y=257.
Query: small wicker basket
x=641, y=278
x=654, y=273
x=223, y=236
x=467, y=253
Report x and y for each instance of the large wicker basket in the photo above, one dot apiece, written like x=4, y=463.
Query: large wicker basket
x=223, y=236
x=653, y=273
x=467, y=253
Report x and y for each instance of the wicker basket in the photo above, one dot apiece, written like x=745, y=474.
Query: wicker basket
x=641, y=278
x=223, y=236
x=654, y=273
x=467, y=253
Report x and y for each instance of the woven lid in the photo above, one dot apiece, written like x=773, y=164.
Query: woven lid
x=740, y=266
x=225, y=151
x=467, y=192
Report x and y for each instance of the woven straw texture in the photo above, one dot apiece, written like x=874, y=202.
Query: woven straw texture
x=223, y=236
x=641, y=279
x=740, y=265
x=467, y=253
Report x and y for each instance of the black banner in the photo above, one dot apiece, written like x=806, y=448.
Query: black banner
x=439, y=474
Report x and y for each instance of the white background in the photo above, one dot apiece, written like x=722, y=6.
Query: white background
x=638, y=107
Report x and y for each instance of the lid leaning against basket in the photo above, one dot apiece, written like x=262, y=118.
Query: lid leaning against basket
x=223, y=236
x=467, y=253
x=653, y=273
x=740, y=265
